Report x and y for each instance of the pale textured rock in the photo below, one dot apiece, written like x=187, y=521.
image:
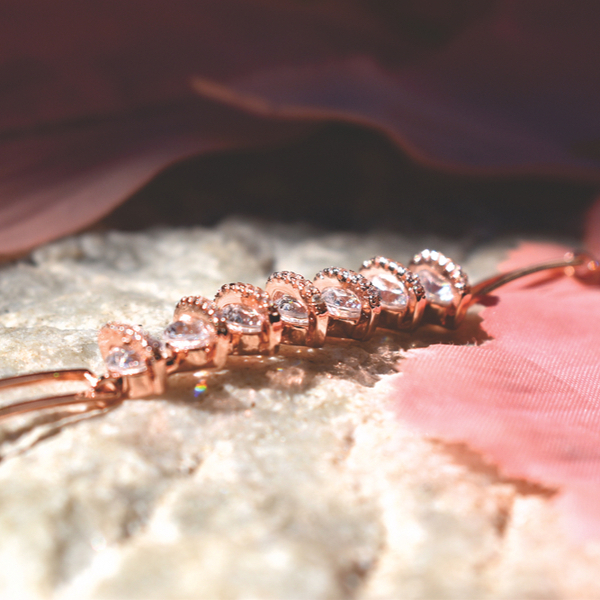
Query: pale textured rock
x=290, y=477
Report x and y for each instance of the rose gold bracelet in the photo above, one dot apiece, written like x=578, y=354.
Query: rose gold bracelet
x=247, y=320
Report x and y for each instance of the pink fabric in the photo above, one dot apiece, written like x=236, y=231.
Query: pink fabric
x=529, y=399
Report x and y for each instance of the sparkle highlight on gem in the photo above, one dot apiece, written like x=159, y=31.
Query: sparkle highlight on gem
x=123, y=361
x=439, y=290
x=242, y=319
x=341, y=303
x=189, y=335
x=292, y=311
x=392, y=292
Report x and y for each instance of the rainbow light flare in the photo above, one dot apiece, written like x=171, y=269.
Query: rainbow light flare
x=200, y=388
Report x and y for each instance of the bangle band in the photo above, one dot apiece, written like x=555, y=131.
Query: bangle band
x=246, y=320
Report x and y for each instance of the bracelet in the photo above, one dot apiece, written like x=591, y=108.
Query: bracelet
x=246, y=320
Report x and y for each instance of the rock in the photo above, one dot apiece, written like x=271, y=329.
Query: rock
x=288, y=477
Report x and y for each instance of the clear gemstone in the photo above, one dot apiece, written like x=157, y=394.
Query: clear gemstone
x=292, y=310
x=341, y=303
x=189, y=335
x=242, y=319
x=122, y=361
x=391, y=291
x=438, y=289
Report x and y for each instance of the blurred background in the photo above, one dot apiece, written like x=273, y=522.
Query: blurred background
x=343, y=177
x=464, y=118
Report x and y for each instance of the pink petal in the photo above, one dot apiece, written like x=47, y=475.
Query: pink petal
x=529, y=399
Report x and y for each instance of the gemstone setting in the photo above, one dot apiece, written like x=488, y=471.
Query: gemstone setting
x=401, y=295
x=439, y=289
x=303, y=313
x=292, y=311
x=393, y=294
x=445, y=285
x=352, y=303
x=342, y=303
x=242, y=319
x=189, y=335
x=122, y=361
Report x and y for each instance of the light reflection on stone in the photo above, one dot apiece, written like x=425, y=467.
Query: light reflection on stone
x=242, y=319
x=391, y=291
x=123, y=361
x=292, y=310
x=183, y=335
x=342, y=303
x=438, y=288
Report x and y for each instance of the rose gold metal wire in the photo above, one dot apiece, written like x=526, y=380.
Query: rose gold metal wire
x=579, y=264
x=100, y=393
x=571, y=261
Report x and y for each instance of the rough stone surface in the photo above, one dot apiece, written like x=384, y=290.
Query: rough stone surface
x=290, y=477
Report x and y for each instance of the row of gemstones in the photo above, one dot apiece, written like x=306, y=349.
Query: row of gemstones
x=381, y=284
